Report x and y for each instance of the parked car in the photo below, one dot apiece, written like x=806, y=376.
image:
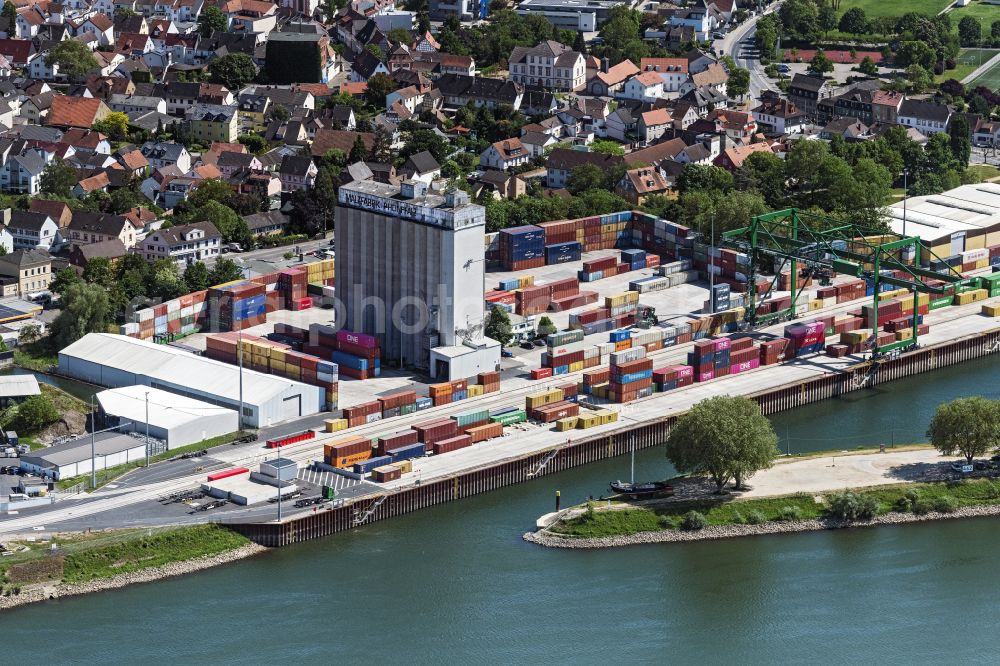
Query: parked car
x=526, y=345
x=506, y=354
x=784, y=69
x=719, y=35
x=232, y=247
x=539, y=342
x=980, y=465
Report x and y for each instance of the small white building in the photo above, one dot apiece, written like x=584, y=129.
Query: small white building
x=174, y=419
x=73, y=458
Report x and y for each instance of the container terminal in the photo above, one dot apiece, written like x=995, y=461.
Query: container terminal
x=841, y=304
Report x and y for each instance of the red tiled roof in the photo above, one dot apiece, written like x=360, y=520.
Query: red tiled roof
x=75, y=111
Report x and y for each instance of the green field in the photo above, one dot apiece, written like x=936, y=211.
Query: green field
x=967, y=61
x=875, y=8
x=986, y=14
x=990, y=78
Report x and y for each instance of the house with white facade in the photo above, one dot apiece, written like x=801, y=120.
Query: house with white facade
x=644, y=87
x=30, y=230
x=550, y=65
x=505, y=154
x=926, y=117
x=185, y=244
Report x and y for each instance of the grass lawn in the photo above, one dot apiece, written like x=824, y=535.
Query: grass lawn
x=984, y=13
x=35, y=357
x=876, y=8
x=83, y=557
x=985, y=171
x=967, y=61
x=990, y=78
x=930, y=496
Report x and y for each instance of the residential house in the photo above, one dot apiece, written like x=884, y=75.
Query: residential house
x=684, y=115
x=778, y=116
x=621, y=125
x=212, y=122
x=297, y=172
x=714, y=75
x=366, y=65
x=22, y=174
x=30, y=267
x=986, y=133
x=853, y=103
x=609, y=80
x=253, y=111
x=703, y=18
x=421, y=166
x=31, y=230
x=133, y=161
x=657, y=154
x=329, y=139
x=638, y=184
x=101, y=27
x=231, y=162
x=86, y=141
x=562, y=161
x=806, y=92
x=184, y=244
x=927, y=117
x=848, y=129
x=705, y=98
x=505, y=154
x=537, y=142
x=166, y=153
x=732, y=158
x=89, y=227
x=500, y=185
x=57, y=210
x=885, y=106
x=458, y=90
x=673, y=71
x=96, y=182
x=269, y=223
x=700, y=152
x=644, y=87
x=409, y=98
x=654, y=124
x=137, y=104
x=81, y=255
x=737, y=125
x=80, y=112
x=679, y=37
x=549, y=65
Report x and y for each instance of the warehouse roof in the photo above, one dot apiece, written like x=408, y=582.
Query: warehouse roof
x=968, y=208
x=15, y=386
x=177, y=367
x=166, y=410
x=78, y=450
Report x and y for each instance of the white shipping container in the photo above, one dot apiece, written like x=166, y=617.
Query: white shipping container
x=187, y=311
x=623, y=309
x=626, y=355
x=174, y=305
x=592, y=352
x=145, y=315
x=607, y=348
x=372, y=418
x=567, y=348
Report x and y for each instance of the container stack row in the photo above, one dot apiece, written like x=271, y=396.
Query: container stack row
x=358, y=355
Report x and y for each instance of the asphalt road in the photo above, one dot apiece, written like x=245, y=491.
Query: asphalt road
x=740, y=45
x=274, y=253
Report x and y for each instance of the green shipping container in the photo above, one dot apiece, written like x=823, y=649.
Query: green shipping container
x=469, y=418
x=940, y=302
x=329, y=492
x=510, y=418
x=408, y=409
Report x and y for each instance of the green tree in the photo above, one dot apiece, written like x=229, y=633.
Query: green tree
x=208, y=191
x=995, y=29
x=968, y=427
x=421, y=139
x=123, y=200
x=233, y=70
x=765, y=173
x=63, y=280
x=820, y=64
x=836, y=181
x=498, y=326
x=800, y=19
x=35, y=413
x=725, y=437
x=359, y=153
x=255, y=143
x=970, y=31
x=73, y=58
x=59, y=178
x=379, y=86
x=734, y=210
x=585, y=177
x=919, y=77
x=704, y=177
x=224, y=270
x=871, y=184
x=827, y=19
x=915, y=52
x=868, y=66
x=233, y=228
x=163, y=281
x=196, y=276
x=375, y=50
x=212, y=19
x=99, y=271
x=738, y=84
x=545, y=327
x=382, y=146
x=803, y=162
x=959, y=133
x=85, y=310
x=400, y=36
x=607, y=147
x=9, y=12
x=115, y=125
x=854, y=21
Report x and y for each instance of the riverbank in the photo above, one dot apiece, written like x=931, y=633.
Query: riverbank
x=554, y=540
x=83, y=564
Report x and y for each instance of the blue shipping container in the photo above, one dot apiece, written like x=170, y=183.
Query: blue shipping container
x=459, y=395
x=350, y=361
x=366, y=466
x=407, y=452
x=507, y=285
x=424, y=403
x=560, y=370
x=620, y=335
x=502, y=410
x=633, y=377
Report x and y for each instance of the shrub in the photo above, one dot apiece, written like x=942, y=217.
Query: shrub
x=755, y=518
x=791, y=513
x=949, y=63
x=738, y=518
x=922, y=507
x=693, y=521
x=850, y=506
x=946, y=504
x=906, y=503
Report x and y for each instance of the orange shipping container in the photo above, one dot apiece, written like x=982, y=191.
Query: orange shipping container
x=484, y=432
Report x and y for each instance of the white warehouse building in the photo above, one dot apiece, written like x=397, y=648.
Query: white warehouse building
x=174, y=419
x=115, y=361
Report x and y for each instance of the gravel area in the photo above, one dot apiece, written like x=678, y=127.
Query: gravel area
x=45, y=591
x=552, y=540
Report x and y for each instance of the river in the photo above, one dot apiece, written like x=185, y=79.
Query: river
x=455, y=583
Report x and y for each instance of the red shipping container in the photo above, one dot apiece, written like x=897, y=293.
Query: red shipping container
x=451, y=444
x=483, y=432
x=395, y=441
x=541, y=373
x=432, y=431
x=596, y=376
x=226, y=473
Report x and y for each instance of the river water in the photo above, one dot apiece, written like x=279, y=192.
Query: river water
x=455, y=583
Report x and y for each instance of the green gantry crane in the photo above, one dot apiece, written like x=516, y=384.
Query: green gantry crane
x=824, y=244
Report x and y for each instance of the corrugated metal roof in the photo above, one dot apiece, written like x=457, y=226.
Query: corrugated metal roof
x=15, y=386
x=968, y=208
x=166, y=410
x=78, y=450
x=175, y=366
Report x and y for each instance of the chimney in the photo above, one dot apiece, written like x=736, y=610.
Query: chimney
x=604, y=65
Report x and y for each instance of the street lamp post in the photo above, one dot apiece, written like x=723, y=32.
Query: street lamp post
x=905, y=173
x=147, y=428
x=93, y=444
x=711, y=270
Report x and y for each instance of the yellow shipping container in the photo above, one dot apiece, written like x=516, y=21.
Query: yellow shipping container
x=475, y=390
x=991, y=310
x=277, y=367
x=405, y=466
x=607, y=416
x=277, y=355
x=576, y=367
x=568, y=423
x=854, y=337
x=588, y=420
x=815, y=304
x=335, y=425
x=904, y=334
x=536, y=400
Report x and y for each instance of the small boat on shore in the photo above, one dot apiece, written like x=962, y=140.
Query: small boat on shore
x=646, y=489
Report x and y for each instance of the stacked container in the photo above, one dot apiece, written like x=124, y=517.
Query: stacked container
x=564, y=352
x=807, y=338
x=448, y=392
x=490, y=381
x=396, y=404
x=630, y=375
x=292, y=286
x=357, y=354
x=345, y=452
x=430, y=432
x=710, y=358
x=522, y=248
x=673, y=377
x=367, y=412
x=238, y=305
x=386, y=444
